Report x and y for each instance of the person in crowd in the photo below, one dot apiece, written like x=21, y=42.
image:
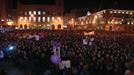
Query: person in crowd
x=105, y=54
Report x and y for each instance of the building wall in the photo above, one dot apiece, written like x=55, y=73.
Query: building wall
x=41, y=16
x=111, y=20
x=3, y=9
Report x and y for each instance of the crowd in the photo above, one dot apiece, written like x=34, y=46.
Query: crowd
x=107, y=54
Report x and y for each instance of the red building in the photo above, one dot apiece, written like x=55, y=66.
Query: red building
x=34, y=16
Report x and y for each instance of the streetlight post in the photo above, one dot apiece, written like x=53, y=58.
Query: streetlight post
x=72, y=23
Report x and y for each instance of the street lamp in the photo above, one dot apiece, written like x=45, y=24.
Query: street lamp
x=72, y=23
x=10, y=23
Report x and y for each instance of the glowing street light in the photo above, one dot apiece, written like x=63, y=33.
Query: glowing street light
x=10, y=23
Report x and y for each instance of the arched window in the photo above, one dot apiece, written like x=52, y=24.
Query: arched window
x=59, y=26
x=21, y=26
x=25, y=26
x=53, y=26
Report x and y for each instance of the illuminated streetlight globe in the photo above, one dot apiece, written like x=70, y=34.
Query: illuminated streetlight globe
x=10, y=23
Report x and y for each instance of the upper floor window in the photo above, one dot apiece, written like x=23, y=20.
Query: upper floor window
x=39, y=19
x=30, y=18
x=34, y=12
x=59, y=19
x=25, y=18
x=53, y=19
x=48, y=19
x=25, y=12
x=43, y=18
x=30, y=12
x=39, y=12
x=43, y=12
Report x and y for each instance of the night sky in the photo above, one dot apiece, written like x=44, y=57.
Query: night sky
x=95, y=5
x=91, y=5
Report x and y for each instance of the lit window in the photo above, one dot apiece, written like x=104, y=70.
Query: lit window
x=128, y=23
x=43, y=18
x=34, y=19
x=116, y=22
x=115, y=12
x=122, y=20
x=21, y=18
x=25, y=13
x=127, y=12
x=109, y=22
x=59, y=19
x=30, y=12
x=86, y=22
x=82, y=23
x=53, y=19
x=131, y=13
x=30, y=18
x=119, y=12
x=111, y=11
x=32, y=15
x=39, y=13
x=34, y=12
x=39, y=19
x=43, y=12
x=25, y=18
x=123, y=12
x=48, y=19
x=112, y=22
x=48, y=26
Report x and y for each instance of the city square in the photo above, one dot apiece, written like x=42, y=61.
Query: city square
x=66, y=37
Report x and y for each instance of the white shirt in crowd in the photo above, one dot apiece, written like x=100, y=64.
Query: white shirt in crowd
x=64, y=64
x=85, y=42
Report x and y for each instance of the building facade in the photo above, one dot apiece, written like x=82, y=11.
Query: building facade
x=2, y=13
x=41, y=16
x=110, y=20
x=3, y=9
